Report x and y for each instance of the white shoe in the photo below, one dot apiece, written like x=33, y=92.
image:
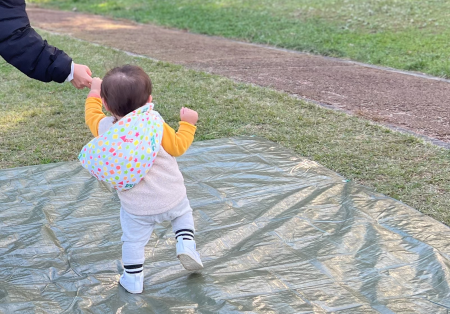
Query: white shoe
x=187, y=254
x=133, y=283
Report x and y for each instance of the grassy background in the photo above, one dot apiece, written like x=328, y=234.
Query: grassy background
x=43, y=123
x=404, y=34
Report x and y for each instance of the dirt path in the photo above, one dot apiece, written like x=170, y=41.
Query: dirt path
x=414, y=103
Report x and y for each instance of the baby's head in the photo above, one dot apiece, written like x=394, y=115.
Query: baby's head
x=124, y=89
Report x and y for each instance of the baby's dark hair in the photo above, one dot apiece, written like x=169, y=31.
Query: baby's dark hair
x=125, y=89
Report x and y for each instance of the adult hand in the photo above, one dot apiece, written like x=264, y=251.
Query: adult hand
x=188, y=115
x=81, y=76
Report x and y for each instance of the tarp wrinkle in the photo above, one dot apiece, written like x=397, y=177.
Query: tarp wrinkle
x=277, y=233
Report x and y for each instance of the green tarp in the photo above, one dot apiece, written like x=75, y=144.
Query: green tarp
x=277, y=234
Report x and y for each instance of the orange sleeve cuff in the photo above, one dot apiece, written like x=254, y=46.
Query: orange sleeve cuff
x=93, y=113
x=177, y=143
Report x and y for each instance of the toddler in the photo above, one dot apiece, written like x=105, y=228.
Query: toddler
x=134, y=151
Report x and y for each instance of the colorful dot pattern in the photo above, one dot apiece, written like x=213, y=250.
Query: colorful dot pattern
x=124, y=154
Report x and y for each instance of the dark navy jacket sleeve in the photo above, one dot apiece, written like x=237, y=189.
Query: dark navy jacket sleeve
x=22, y=47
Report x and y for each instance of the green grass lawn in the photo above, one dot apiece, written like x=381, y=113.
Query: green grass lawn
x=404, y=34
x=44, y=123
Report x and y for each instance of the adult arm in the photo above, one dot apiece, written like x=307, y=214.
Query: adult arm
x=25, y=49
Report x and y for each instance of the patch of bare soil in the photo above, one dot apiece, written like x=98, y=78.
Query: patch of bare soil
x=410, y=102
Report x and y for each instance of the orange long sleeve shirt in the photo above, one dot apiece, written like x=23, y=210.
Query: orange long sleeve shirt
x=174, y=143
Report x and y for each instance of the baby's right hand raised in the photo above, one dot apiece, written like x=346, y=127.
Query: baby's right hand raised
x=96, y=85
x=188, y=115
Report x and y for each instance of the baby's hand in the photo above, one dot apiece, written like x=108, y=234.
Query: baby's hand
x=96, y=85
x=188, y=115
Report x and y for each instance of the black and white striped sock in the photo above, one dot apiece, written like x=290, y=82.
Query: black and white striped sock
x=186, y=234
x=134, y=269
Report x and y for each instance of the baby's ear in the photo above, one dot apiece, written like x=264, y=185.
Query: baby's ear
x=105, y=105
x=150, y=98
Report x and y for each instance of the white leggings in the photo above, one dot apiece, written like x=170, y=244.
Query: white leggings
x=137, y=230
